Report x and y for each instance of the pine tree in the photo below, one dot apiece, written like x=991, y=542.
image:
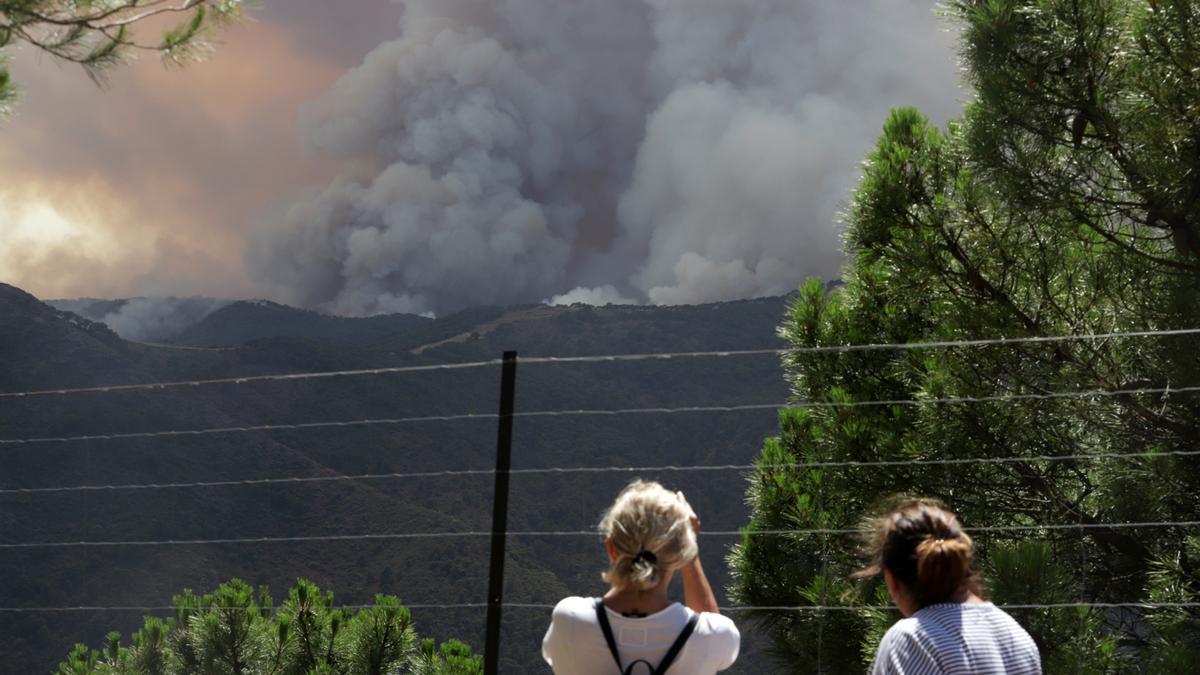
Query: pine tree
x=1017, y=220
x=98, y=34
x=236, y=630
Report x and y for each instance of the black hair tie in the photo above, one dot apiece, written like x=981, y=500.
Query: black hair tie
x=645, y=555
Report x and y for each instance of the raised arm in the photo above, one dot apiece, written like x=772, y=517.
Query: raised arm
x=697, y=593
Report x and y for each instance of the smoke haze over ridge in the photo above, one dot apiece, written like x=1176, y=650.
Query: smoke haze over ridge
x=663, y=151
x=144, y=187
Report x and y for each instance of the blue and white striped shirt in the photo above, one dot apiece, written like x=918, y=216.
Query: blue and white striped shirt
x=957, y=639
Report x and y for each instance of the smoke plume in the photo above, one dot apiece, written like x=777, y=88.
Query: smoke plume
x=144, y=319
x=664, y=151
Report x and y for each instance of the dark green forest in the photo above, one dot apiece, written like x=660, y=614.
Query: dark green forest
x=1063, y=202
x=44, y=347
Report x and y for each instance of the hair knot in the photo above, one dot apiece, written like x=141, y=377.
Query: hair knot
x=924, y=547
x=648, y=532
x=646, y=556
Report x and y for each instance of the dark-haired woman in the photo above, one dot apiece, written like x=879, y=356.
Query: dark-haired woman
x=927, y=560
x=635, y=629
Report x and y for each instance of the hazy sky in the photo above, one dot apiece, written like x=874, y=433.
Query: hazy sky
x=473, y=151
x=148, y=185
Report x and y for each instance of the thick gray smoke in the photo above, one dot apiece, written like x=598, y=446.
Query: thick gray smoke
x=147, y=319
x=159, y=319
x=665, y=151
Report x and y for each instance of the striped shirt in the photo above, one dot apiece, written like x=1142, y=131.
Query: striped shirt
x=957, y=639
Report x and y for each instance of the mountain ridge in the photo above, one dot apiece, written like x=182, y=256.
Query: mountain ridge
x=46, y=348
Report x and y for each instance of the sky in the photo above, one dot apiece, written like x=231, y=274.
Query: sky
x=427, y=155
x=149, y=185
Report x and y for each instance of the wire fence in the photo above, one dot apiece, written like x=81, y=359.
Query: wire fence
x=564, y=470
x=611, y=358
x=999, y=398
x=546, y=606
x=468, y=534
x=1004, y=398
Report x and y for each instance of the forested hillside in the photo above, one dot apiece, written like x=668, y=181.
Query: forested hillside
x=1063, y=204
x=46, y=348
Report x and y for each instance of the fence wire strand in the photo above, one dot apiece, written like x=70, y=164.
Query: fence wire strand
x=548, y=606
x=610, y=358
x=824, y=532
x=560, y=533
x=462, y=473
x=999, y=398
x=247, y=379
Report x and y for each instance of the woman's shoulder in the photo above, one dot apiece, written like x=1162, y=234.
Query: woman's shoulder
x=962, y=621
x=720, y=635
x=575, y=608
x=718, y=624
x=1016, y=632
x=904, y=641
x=905, y=629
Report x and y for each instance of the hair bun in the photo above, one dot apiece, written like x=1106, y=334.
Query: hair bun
x=923, y=545
x=647, y=556
x=649, y=530
x=943, y=566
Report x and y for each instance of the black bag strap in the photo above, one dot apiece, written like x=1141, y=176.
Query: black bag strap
x=668, y=658
x=602, y=619
x=677, y=646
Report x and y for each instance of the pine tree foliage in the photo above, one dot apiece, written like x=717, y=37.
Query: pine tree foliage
x=1062, y=202
x=448, y=658
x=238, y=631
x=98, y=34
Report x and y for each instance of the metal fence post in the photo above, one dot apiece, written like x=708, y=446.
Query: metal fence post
x=508, y=385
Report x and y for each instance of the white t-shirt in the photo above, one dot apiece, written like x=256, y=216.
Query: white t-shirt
x=574, y=644
x=957, y=639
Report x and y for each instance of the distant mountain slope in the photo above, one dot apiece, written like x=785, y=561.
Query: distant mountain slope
x=541, y=329
x=582, y=329
x=144, y=319
x=94, y=309
x=246, y=321
x=44, y=348
x=36, y=338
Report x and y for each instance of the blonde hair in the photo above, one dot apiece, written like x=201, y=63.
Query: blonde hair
x=646, y=519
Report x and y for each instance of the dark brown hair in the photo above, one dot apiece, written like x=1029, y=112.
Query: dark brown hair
x=923, y=545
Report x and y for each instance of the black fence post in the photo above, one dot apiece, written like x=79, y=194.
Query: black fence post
x=508, y=386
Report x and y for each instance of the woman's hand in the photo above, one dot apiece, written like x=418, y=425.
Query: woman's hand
x=692, y=517
x=697, y=593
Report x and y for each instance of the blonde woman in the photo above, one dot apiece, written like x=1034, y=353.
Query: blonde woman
x=928, y=563
x=650, y=534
